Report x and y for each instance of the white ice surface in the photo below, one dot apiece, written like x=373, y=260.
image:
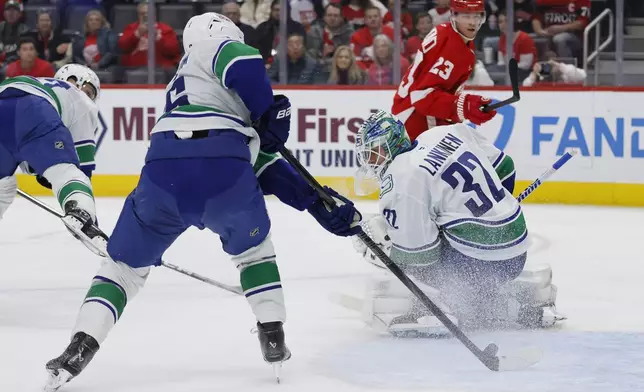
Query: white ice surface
x=183, y=335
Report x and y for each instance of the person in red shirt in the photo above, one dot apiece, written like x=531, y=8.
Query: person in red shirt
x=563, y=21
x=440, y=13
x=28, y=63
x=362, y=40
x=423, y=27
x=430, y=94
x=406, y=19
x=354, y=11
x=134, y=43
x=524, y=49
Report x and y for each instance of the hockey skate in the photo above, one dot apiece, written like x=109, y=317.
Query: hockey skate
x=274, y=350
x=71, y=362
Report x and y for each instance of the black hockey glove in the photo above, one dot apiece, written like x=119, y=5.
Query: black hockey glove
x=342, y=220
x=43, y=181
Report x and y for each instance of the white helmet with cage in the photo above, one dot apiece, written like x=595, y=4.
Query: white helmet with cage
x=208, y=26
x=83, y=76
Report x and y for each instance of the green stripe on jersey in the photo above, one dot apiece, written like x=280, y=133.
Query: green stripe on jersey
x=259, y=275
x=86, y=153
x=71, y=188
x=505, y=168
x=424, y=257
x=196, y=109
x=229, y=53
x=35, y=84
x=109, y=293
x=482, y=234
x=263, y=161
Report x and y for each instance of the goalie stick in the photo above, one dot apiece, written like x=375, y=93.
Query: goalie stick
x=514, y=82
x=103, y=252
x=487, y=356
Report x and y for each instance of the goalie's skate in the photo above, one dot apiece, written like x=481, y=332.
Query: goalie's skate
x=71, y=362
x=271, y=341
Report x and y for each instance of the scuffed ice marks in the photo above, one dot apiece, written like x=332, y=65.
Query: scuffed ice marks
x=573, y=362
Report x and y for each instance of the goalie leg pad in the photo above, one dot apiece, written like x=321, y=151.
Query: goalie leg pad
x=390, y=307
x=8, y=189
x=113, y=286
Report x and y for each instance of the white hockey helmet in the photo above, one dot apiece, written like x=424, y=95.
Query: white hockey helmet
x=84, y=76
x=208, y=26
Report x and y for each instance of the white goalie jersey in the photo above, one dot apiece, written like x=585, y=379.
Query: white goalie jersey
x=445, y=191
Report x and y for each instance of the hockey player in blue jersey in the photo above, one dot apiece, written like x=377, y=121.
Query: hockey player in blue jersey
x=208, y=167
x=39, y=119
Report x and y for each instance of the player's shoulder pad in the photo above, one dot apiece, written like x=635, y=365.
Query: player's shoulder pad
x=228, y=52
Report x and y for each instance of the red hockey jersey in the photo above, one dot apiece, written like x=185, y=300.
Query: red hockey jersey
x=558, y=12
x=428, y=92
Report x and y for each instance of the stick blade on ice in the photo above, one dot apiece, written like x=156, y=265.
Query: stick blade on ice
x=520, y=360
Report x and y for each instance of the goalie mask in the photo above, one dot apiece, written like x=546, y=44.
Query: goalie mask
x=380, y=139
x=208, y=26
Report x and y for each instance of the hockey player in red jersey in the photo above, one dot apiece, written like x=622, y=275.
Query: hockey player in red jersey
x=431, y=93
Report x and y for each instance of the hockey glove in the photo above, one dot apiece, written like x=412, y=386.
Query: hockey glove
x=375, y=227
x=274, y=125
x=342, y=220
x=43, y=181
x=470, y=107
x=80, y=223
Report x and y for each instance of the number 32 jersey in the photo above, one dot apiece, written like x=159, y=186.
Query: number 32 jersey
x=445, y=189
x=428, y=92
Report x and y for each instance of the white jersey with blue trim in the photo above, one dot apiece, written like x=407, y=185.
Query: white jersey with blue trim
x=198, y=98
x=446, y=189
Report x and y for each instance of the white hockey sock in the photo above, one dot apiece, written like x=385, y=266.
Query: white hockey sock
x=114, y=284
x=260, y=280
x=8, y=189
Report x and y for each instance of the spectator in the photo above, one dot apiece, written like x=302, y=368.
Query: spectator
x=324, y=37
x=440, y=13
x=10, y=31
x=563, y=21
x=267, y=34
x=28, y=63
x=523, y=11
x=134, y=43
x=354, y=11
x=554, y=72
x=255, y=12
x=362, y=40
x=306, y=12
x=97, y=47
x=423, y=27
x=479, y=76
x=51, y=43
x=230, y=9
x=301, y=68
x=344, y=69
x=381, y=71
x=406, y=19
x=524, y=49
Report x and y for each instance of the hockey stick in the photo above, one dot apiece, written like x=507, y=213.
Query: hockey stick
x=544, y=176
x=514, y=82
x=487, y=356
x=103, y=253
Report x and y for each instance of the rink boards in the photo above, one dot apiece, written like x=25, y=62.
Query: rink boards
x=605, y=126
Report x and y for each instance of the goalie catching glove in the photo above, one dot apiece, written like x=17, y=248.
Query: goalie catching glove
x=81, y=224
x=342, y=220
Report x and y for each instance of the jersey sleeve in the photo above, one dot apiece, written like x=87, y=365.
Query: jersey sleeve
x=430, y=78
x=240, y=67
x=412, y=228
x=83, y=132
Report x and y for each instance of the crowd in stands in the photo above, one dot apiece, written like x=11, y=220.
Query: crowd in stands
x=339, y=42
